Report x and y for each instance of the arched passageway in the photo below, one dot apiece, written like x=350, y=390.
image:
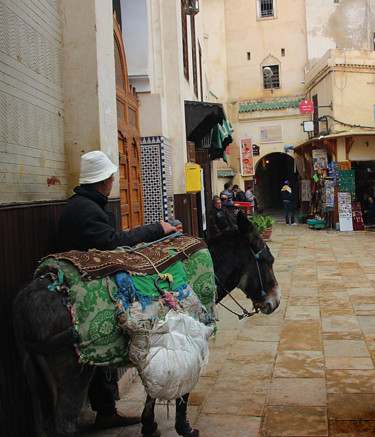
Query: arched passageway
x=271, y=171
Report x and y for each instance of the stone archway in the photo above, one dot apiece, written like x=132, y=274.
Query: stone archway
x=271, y=171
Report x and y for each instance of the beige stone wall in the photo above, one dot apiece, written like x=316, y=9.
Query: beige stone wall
x=89, y=83
x=347, y=79
x=347, y=24
x=32, y=153
x=162, y=110
x=242, y=32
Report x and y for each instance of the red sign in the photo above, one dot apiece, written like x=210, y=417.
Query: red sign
x=306, y=107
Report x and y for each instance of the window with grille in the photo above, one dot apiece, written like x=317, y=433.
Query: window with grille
x=184, y=41
x=271, y=81
x=266, y=8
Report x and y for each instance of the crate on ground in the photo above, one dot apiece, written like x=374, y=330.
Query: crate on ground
x=317, y=224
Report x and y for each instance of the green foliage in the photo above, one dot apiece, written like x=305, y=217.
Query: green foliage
x=262, y=222
x=269, y=221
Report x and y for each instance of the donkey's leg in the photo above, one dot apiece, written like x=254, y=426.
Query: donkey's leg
x=149, y=426
x=182, y=425
x=68, y=381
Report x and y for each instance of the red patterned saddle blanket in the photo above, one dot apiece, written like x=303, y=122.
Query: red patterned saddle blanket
x=141, y=260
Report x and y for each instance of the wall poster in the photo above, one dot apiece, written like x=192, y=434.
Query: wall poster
x=305, y=190
x=247, y=159
x=271, y=134
x=320, y=159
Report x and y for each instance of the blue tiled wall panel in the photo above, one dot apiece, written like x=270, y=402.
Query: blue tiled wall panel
x=156, y=160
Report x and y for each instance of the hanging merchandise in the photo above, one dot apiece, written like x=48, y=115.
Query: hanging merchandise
x=358, y=224
x=347, y=182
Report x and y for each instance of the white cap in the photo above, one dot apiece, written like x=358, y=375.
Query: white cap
x=95, y=167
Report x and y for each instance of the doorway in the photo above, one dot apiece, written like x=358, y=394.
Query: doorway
x=271, y=172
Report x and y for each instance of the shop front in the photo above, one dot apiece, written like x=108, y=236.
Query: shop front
x=337, y=179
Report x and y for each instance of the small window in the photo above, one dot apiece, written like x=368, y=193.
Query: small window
x=266, y=8
x=282, y=52
x=248, y=56
x=271, y=77
x=336, y=1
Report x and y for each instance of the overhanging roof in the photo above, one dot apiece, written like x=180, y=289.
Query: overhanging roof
x=322, y=138
x=201, y=117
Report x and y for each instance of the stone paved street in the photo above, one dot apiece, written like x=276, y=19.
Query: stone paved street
x=306, y=370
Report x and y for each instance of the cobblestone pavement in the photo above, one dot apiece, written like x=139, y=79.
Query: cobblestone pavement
x=306, y=370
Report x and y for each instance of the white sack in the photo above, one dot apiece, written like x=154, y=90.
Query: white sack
x=177, y=351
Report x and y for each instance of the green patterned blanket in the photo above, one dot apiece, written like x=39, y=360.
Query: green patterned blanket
x=94, y=311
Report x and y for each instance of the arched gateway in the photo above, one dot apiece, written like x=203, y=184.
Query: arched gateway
x=271, y=171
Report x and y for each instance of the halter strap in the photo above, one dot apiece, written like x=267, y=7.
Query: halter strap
x=256, y=257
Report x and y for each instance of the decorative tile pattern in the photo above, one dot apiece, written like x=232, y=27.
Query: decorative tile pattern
x=157, y=183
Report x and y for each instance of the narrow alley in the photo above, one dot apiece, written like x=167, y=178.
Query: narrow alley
x=306, y=370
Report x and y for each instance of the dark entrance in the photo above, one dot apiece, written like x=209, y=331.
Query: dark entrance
x=271, y=172
x=364, y=178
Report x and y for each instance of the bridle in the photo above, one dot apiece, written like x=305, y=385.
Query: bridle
x=245, y=313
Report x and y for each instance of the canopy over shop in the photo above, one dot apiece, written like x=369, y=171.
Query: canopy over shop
x=337, y=174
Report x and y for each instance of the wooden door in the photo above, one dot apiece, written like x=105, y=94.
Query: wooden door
x=129, y=143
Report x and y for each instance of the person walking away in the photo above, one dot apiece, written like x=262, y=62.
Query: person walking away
x=250, y=197
x=240, y=195
x=288, y=201
x=84, y=225
x=228, y=192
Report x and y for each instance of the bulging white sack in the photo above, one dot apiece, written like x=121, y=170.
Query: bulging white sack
x=177, y=350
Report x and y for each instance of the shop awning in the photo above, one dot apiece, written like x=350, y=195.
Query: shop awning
x=201, y=117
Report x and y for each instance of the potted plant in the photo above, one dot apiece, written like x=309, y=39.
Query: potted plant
x=264, y=225
x=259, y=223
x=268, y=221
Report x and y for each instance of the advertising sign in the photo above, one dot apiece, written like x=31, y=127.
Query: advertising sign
x=271, y=134
x=247, y=159
x=306, y=107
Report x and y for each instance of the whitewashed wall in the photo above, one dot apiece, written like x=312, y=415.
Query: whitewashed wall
x=32, y=156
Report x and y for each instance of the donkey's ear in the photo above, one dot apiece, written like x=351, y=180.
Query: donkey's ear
x=243, y=224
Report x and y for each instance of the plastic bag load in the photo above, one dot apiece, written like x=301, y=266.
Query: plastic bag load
x=176, y=352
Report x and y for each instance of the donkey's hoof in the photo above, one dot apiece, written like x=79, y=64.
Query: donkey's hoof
x=185, y=430
x=155, y=433
x=151, y=430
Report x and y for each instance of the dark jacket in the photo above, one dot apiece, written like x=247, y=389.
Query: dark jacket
x=286, y=195
x=84, y=225
x=240, y=196
x=218, y=221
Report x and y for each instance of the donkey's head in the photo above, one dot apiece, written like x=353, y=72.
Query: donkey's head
x=243, y=260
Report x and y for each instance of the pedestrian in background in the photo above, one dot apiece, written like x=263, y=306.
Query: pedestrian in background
x=228, y=192
x=288, y=201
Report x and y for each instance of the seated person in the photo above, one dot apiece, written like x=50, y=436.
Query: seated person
x=219, y=220
x=369, y=213
x=177, y=224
